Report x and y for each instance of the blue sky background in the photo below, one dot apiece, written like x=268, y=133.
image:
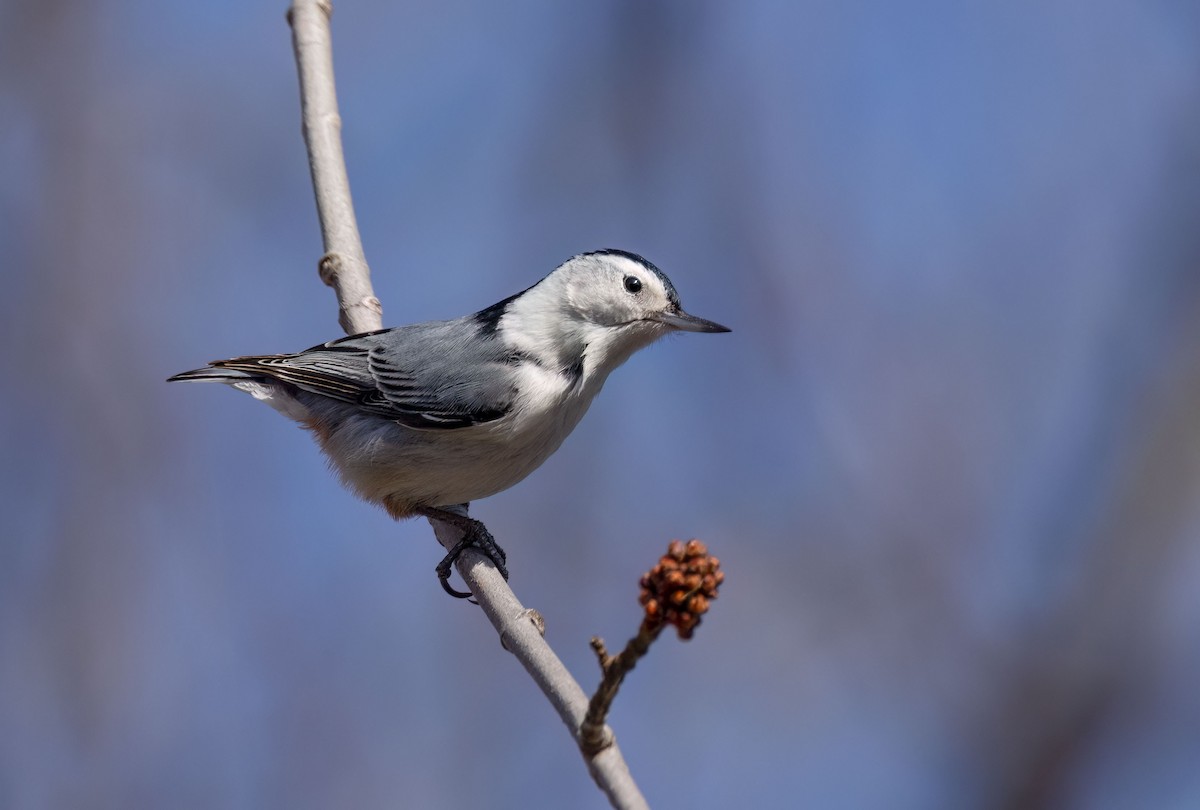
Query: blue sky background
x=949, y=457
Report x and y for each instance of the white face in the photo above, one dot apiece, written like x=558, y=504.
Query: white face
x=612, y=289
x=603, y=305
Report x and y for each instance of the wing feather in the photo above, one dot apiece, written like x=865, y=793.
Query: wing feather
x=434, y=376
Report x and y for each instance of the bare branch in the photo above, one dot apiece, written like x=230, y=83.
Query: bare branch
x=521, y=632
x=344, y=267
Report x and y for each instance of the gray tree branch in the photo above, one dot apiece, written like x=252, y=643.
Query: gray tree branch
x=344, y=267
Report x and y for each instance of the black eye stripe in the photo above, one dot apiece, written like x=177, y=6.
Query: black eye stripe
x=633, y=284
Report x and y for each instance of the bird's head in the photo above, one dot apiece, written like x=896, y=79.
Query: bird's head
x=616, y=289
x=606, y=305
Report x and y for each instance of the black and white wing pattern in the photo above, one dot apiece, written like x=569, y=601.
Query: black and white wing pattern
x=433, y=376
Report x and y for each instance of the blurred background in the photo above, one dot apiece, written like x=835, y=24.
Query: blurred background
x=949, y=456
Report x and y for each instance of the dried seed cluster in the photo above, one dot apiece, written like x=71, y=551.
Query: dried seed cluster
x=678, y=589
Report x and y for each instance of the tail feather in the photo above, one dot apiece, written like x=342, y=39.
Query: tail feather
x=211, y=374
x=280, y=396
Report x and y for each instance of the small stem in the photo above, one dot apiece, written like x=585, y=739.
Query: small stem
x=594, y=735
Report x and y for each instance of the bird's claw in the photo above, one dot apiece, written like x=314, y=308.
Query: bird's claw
x=478, y=538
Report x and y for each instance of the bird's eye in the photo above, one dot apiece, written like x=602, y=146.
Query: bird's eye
x=633, y=284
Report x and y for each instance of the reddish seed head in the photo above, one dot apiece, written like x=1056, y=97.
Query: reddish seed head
x=678, y=590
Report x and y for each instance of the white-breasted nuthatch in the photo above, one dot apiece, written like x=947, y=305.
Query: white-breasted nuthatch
x=431, y=416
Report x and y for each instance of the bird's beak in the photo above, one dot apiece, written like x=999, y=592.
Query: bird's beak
x=689, y=323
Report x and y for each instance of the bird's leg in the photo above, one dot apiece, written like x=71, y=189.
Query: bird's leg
x=475, y=535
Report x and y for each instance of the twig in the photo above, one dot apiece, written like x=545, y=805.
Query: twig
x=594, y=735
x=677, y=591
x=344, y=267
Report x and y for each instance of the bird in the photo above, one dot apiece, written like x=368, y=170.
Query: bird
x=423, y=419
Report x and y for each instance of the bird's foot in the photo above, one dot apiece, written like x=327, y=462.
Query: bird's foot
x=476, y=536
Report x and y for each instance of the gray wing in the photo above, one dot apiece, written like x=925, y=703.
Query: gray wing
x=440, y=375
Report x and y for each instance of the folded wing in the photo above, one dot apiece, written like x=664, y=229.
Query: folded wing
x=432, y=376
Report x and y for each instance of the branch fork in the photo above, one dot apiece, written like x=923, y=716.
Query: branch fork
x=677, y=591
